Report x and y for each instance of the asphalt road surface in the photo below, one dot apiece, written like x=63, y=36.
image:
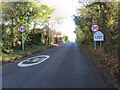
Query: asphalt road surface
x=67, y=67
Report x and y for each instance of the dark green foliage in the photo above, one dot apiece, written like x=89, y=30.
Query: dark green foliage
x=15, y=14
x=105, y=14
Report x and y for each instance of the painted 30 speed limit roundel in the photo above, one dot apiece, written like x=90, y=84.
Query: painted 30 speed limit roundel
x=33, y=61
x=95, y=27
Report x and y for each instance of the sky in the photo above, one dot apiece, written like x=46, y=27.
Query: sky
x=65, y=8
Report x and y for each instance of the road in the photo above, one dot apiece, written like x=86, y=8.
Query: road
x=67, y=67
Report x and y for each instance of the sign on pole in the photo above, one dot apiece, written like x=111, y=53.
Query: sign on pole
x=95, y=27
x=22, y=29
x=98, y=36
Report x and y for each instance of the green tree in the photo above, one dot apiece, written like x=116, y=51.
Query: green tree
x=15, y=14
x=105, y=14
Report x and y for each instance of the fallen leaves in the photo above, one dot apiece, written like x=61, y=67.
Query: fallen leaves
x=106, y=63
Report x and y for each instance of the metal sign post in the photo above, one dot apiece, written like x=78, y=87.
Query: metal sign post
x=94, y=45
x=22, y=29
x=100, y=45
x=98, y=35
x=95, y=28
x=22, y=42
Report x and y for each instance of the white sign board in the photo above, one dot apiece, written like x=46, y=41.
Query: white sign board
x=95, y=27
x=98, y=36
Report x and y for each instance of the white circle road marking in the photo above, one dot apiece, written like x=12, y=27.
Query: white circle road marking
x=33, y=60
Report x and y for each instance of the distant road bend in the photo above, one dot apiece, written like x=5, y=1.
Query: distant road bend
x=67, y=67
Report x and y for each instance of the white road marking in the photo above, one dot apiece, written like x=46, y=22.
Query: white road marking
x=36, y=60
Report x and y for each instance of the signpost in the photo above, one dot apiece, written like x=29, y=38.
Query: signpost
x=22, y=29
x=98, y=35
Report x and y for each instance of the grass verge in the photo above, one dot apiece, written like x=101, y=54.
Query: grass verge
x=18, y=54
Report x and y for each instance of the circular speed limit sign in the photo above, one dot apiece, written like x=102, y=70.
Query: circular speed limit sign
x=95, y=27
x=22, y=28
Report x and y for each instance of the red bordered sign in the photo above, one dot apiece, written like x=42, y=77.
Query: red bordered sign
x=22, y=28
x=95, y=27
